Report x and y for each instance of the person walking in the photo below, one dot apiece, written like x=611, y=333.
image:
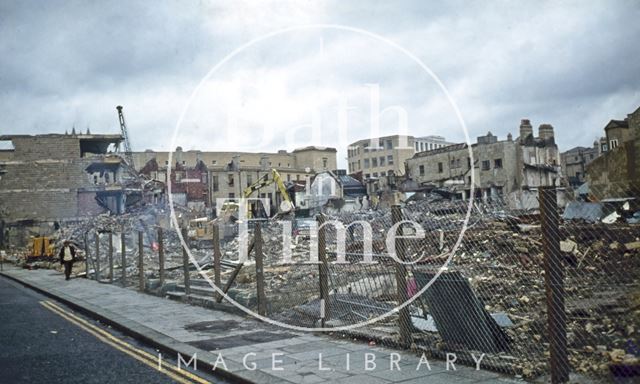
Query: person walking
x=67, y=257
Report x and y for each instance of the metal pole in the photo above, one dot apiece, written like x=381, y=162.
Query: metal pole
x=217, y=256
x=123, y=251
x=404, y=319
x=140, y=262
x=262, y=299
x=185, y=264
x=323, y=271
x=97, y=274
x=161, y=256
x=554, y=285
x=111, y=257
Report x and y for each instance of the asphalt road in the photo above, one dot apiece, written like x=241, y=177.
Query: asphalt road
x=38, y=345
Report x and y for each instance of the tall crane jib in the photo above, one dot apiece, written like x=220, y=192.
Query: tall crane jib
x=127, y=145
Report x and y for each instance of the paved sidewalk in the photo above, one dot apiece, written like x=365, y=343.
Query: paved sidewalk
x=178, y=327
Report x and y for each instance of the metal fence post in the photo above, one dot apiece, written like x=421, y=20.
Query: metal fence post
x=97, y=263
x=323, y=271
x=111, y=257
x=262, y=299
x=185, y=264
x=554, y=285
x=217, y=256
x=404, y=319
x=123, y=251
x=140, y=262
x=161, y=256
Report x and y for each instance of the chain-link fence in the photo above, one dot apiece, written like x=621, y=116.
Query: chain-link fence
x=552, y=286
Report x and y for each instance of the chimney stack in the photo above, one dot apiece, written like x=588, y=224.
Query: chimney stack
x=525, y=129
x=545, y=131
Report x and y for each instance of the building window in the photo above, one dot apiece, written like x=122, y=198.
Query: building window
x=359, y=167
x=389, y=144
x=375, y=174
x=367, y=175
x=613, y=144
x=422, y=170
x=440, y=168
x=497, y=163
x=422, y=147
x=457, y=163
x=486, y=165
x=469, y=162
x=183, y=162
x=288, y=177
x=390, y=160
x=366, y=163
x=591, y=156
x=382, y=161
x=453, y=163
x=232, y=195
x=214, y=182
x=417, y=146
x=214, y=162
x=166, y=162
x=249, y=180
x=230, y=179
x=324, y=163
x=374, y=162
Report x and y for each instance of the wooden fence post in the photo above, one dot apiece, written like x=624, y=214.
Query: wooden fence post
x=123, y=251
x=262, y=299
x=185, y=264
x=141, y=284
x=111, y=257
x=323, y=271
x=404, y=318
x=161, y=256
x=86, y=255
x=217, y=256
x=97, y=263
x=554, y=285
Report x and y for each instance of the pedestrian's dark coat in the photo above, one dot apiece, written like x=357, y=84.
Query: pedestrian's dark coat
x=73, y=253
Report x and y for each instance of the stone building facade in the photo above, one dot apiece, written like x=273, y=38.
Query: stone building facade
x=512, y=169
x=58, y=177
x=385, y=156
x=575, y=161
x=615, y=173
x=198, y=178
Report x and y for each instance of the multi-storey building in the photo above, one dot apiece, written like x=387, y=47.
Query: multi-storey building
x=58, y=177
x=198, y=178
x=574, y=163
x=385, y=156
x=500, y=168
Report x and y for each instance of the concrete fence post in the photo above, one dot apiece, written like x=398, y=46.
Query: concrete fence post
x=161, y=256
x=262, y=299
x=554, y=285
x=111, y=257
x=141, y=284
x=217, y=256
x=185, y=264
x=323, y=271
x=97, y=263
x=123, y=262
x=404, y=318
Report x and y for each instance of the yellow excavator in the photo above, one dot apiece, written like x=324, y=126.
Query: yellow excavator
x=201, y=229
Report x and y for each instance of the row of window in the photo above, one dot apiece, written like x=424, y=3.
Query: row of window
x=231, y=178
x=456, y=163
x=373, y=162
x=421, y=146
x=383, y=144
x=376, y=174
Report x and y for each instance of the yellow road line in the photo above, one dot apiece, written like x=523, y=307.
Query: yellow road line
x=180, y=375
x=146, y=354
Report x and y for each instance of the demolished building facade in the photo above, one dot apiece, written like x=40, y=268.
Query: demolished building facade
x=510, y=169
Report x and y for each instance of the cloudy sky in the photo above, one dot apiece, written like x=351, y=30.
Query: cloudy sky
x=575, y=65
